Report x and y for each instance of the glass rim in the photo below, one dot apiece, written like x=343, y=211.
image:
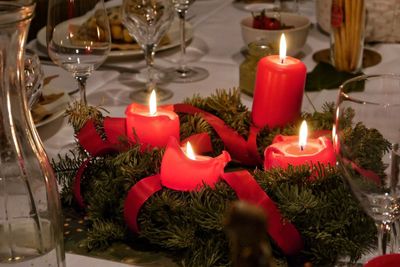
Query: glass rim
x=369, y=76
x=345, y=96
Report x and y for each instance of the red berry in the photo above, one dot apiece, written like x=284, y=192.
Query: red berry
x=272, y=24
x=258, y=23
x=261, y=21
x=258, y=20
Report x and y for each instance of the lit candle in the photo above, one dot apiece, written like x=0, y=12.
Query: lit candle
x=299, y=150
x=278, y=90
x=152, y=126
x=182, y=170
x=189, y=151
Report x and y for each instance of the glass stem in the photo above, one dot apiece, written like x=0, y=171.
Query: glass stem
x=149, y=51
x=394, y=237
x=82, y=88
x=182, y=22
x=384, y=236
x=296, y=7
x=277, y=5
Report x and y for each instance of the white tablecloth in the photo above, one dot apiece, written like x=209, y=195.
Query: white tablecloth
x=216, y=46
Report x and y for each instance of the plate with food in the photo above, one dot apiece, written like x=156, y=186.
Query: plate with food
x=51, y=105
x=122, y=43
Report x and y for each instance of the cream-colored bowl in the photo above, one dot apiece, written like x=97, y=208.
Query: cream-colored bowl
x=295, y=37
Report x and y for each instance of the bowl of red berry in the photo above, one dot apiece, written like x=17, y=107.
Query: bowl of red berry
x=269, y=26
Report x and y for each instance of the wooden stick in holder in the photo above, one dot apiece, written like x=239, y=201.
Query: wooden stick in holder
x=347, y=33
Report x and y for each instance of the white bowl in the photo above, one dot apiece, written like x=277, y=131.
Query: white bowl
x=295, y=37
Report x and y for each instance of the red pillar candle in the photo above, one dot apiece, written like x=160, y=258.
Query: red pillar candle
x=298, y=150
x=186, y=171
x=278, y=91
x=151, y=126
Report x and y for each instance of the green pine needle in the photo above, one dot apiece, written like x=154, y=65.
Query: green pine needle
x=189, y=226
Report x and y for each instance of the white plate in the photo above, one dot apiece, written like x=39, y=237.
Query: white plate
x=59, y=106
x=173, y=34
x=253, y=7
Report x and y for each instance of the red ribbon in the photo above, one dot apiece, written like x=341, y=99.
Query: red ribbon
x=137, y=196
x=91, y=141
x=77, y=183
x=368, y=174
x=283, y=232
x=241, y=150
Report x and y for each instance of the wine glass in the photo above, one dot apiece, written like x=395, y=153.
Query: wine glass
x=287, y=6
x=184, y=73
x=78, y=37
x=148, y=21
x=366, y=140
x=33, y=75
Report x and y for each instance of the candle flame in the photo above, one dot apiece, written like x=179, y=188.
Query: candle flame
x=189, y=151
x=303, y=135
x=153, y=103
x=282, y=49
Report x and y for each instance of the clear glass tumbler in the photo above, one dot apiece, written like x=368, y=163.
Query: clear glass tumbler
x=367, y=143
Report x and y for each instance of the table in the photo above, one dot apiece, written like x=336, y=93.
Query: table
x=216, y=46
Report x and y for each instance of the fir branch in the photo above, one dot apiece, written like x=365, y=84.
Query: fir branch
x=190, y=124
x=65, y=169
x=208, y=211
x=330, y=220
x=322, y=120
x=136, y=164
x=78, y=114
x=103, y=233
x=366, y=147
x=210, y=252
x=226, y=104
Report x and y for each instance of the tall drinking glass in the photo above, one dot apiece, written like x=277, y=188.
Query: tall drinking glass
x=184, y=73
x=78, y=37
x=31, y=229
x=372, y=169
x=148, y=21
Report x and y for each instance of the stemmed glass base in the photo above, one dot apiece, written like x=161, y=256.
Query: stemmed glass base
x=160, y=75
x=153, y=78
x=142, y=95
x=183, y=73
x=188, y=74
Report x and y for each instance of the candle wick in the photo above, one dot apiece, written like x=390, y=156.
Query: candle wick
x=301, y=148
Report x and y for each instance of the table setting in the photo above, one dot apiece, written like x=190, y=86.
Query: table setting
x=199, y=133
